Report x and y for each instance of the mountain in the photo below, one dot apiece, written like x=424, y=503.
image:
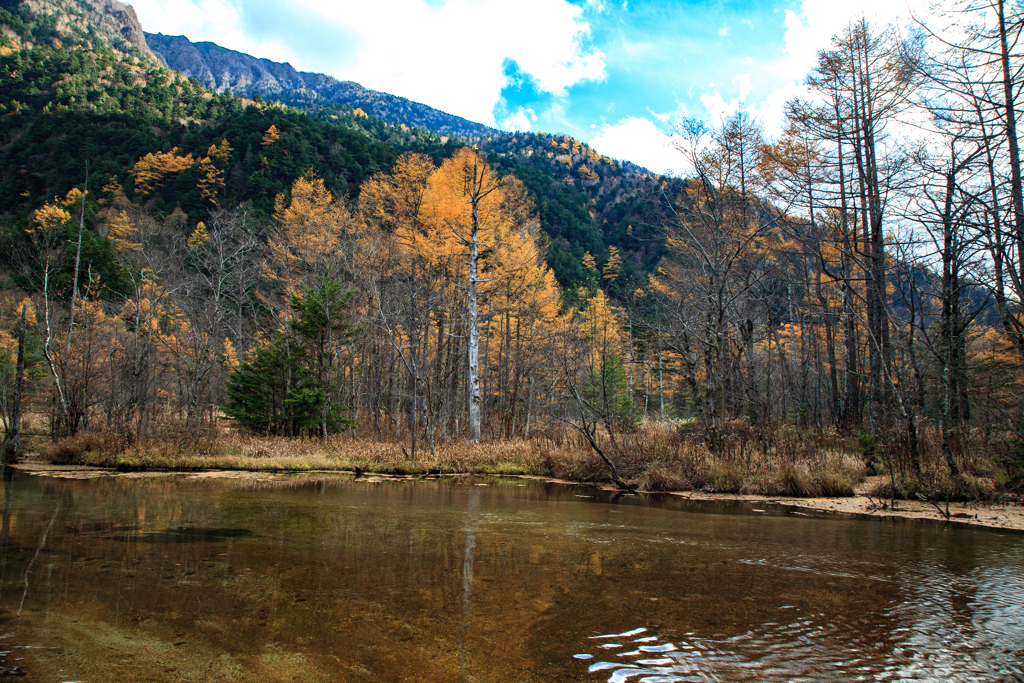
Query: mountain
x=87, y=19
x=587, y=202
x=224, y=70
x=80, y=81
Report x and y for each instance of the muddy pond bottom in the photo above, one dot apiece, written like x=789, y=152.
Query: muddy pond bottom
x=326, y=578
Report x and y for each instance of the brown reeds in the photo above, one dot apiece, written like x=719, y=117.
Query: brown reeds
x=658, y=456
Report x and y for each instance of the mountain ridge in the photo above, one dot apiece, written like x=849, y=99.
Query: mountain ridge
x=224, y=70
x=587, y=203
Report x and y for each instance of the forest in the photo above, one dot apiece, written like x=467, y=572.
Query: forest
x=192, y=279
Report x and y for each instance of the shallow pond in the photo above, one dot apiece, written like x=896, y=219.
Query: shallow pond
x=326, y=578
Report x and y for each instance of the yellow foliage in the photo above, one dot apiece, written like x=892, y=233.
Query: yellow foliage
x=230, y=354
x=211, y=180
x=199, y=237
x=271, y=136
x=123, y=233
x=50, y=218
x=446, y=210
x=359, y=112
x=598, y=325
x=220, y=153
x=73, y=197
x=588, y=261
x=587, y=173
x=308, y=229
x=150, y=171
x=388, y=201
x=614, y=264
x=112, y=188
x=31, y=317
x=8, y=347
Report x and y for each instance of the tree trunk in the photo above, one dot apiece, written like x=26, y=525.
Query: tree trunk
x=14, y=438
x=474, y=331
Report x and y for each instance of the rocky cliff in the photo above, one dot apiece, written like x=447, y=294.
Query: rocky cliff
x=108, y=19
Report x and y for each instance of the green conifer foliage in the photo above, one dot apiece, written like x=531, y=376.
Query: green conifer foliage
x=290, y=385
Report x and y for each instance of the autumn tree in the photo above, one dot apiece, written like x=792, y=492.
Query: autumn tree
x=151, y=170
x=974, y=77
x=405, y=280
x=590, y=353
x=466, y=207
x=704, y=302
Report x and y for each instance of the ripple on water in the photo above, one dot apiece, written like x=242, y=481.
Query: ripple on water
x=986, y=646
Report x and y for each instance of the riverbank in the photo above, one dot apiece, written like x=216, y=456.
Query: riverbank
x=657, y=457
x=1006, y=514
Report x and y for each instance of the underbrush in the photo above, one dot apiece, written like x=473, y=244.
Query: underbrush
x=204, y=448
x=662, y=456
x=983, y=471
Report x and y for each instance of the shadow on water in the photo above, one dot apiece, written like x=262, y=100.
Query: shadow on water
x=193, y=534
x=327, y=578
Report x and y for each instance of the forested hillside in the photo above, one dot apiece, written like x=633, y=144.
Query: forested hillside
x=587, y=203
x=174, y=256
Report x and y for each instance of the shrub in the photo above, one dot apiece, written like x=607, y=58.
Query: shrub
x=659, y=478
x=73, y=449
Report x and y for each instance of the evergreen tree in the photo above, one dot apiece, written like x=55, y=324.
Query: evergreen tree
x=290, y=386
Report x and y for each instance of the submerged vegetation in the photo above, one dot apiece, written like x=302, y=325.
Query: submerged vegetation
x=211, y=281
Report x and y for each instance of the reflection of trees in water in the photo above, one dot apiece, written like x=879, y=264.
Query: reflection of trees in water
x=962, y=612
x=469, y=582
x=5, y=534
x=472, y=508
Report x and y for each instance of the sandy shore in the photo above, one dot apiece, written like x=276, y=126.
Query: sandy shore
x=1003, y=515
x=1007, y=515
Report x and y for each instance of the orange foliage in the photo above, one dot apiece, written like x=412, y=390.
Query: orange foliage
x=149, y=171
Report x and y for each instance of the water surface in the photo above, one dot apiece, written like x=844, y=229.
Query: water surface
x=325, y=578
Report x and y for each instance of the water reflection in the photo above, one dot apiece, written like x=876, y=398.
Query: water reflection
x=472, y=505
x=179, y=578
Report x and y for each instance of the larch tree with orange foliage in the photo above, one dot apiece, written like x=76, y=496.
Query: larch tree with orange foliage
x=465, y=208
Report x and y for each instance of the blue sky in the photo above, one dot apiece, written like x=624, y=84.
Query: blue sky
x=614, y=73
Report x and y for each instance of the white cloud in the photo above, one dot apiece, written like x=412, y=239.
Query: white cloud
x=724, y=31
x=717, y=108
x=640, y=141
x=520, y=120
x=664, y=118
x=743, y=80
x=218, y=21
x=450, y=57
x=809, y=29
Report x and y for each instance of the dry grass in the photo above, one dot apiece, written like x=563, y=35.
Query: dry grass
x=229, y=450
x=934, y=484
x=657, y=457
x=985, y=458
x=662, y=456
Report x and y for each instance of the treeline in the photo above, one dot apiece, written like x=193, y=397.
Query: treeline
x=853, y=278
x=330, y=314
x=861, y=273
x=64, y=105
